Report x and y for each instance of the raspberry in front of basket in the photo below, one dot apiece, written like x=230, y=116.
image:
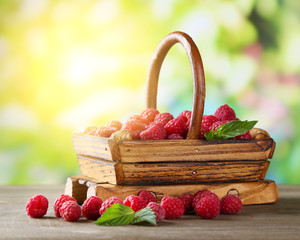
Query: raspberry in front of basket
x=91, y=207
x=231, y=204
x=208, y=207
x=155, y=131
x=108, y=202
x=70, y=211
x=37, y=206
x=178, y=126
x=147, y=196
x=158, y=210
x=207, y=122
x=186, y=117
x=187, y=199
x=135, y=126
x=105, y=131
x=200, y=194
x=225, y=112
x=135, y=202
x=59, y=201
x=175, y=136
x=163, y=118
x=173, y=206
x=114, y=124
x=149, y=114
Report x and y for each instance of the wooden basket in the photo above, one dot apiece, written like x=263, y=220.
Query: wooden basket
x=163, y=162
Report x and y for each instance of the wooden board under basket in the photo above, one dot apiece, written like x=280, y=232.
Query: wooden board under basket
x=259, y=192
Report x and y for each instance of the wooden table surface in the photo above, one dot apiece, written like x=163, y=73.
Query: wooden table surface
x=274, y=221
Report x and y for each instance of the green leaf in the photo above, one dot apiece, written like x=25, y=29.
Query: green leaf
x=230, y=130
x=145, y=215
x=117, y=214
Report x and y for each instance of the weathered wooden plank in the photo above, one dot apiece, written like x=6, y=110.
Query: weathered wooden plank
x=98, y=169
x=171, y=173
x=258, y=192
x=75, y=189
x=172, y=150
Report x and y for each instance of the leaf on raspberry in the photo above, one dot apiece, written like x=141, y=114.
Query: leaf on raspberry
x=117, y=214
x=145, y=215
x=230, y=130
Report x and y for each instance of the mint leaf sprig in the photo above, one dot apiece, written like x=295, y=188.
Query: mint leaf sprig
x=230, y=130
x=119, y=214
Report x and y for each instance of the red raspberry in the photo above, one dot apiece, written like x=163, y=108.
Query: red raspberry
x=225, y=112
x=163, y=118
x=158, y=210
x=135, y=202
x=208, y=207
x=92, y=132
x=218, y=124
x=155, y=131
x=105, y=131
x=59, y=201
x=207, y=122
x=114, y=124
x=176, y=125
x=231, y=204
x=70, y=211
x=108, y=202
x=174, y=207
x=187, y=200
x=91, y=207
x=186, y=117
x=175, y=136
x=37, y=206
x=246, y=135
x=199, y=195
x=135, y=126
x=149, y=114
x=147, y=196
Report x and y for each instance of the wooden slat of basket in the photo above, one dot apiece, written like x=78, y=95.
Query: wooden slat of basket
x=172, y=172
x=172, y=150
x=259, y=192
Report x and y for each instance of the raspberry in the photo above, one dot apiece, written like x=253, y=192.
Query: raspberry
x=105, y=131
x=199, y=195
x=138, y=117
x=114, y=124
x=59, y=201
x=92, y=132
x=91, y=207
x=149, y=114
x=89, y=129
x=155, y=131
x=158, y=210
x=135, y=202
x=108, y=202
x=174, y=207
x=37, y=206
x=208, y=207
x=187, y=200
x=207, y=122
x=186, y=117
x=135, y=126
x=147, y=196
x=163, y=118
x=175, y=136
x=70, y=211
x=176, y=125
x=225, y=112
x=246, y=135
x=231, y=204
x=215, y=125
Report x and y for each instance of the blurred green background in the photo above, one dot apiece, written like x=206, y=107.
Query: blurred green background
x=65, y=65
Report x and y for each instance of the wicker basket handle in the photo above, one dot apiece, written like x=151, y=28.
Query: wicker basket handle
x=197, y=71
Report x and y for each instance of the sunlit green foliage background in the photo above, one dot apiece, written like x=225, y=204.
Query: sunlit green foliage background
x=66, y=64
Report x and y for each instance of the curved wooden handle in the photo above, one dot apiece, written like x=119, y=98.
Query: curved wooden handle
x=197, y=71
